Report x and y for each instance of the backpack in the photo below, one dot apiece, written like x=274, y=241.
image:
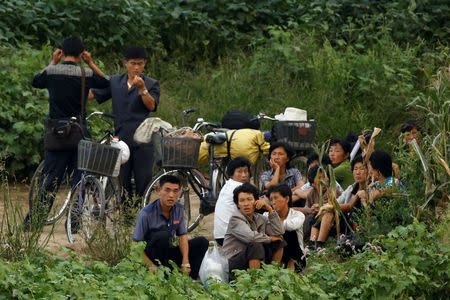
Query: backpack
x=236, y=119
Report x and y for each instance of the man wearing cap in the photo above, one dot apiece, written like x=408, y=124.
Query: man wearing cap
x=134, y=96
x=63, y=82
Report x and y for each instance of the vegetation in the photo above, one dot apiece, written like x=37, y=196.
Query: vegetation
x=368, y=63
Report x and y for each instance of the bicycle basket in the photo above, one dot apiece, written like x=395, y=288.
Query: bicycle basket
x=180, y=151
x=300, y=135
x=98, y=158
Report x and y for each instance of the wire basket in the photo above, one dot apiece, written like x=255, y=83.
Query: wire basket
x=180, y=151
x=299, y=135
x=98, y=158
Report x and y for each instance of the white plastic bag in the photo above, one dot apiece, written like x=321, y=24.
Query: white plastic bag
x=214, y=267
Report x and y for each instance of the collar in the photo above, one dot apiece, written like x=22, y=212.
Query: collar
x=289, y=172
x=69, y=63
x=159, y=208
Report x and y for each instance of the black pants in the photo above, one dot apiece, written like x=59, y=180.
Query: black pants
x=140, y=164
x=263, y=252
x=293, y=250
x=56, y=164
x=160, y=251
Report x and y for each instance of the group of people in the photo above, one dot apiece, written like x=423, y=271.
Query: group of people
x=291, y=214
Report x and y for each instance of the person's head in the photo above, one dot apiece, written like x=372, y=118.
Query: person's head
x=239, y=169
x=72, y=46
x=281, y=153
x=313, y=177
x=245, y=196
x=313, y=160
x=410, y=131
x=380, y=165
x=359, y=170
x=169, y=191
x=135, y=59
x=339, y=151
x=280, y=197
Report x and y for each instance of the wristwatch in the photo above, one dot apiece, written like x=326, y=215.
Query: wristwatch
x=144, y=92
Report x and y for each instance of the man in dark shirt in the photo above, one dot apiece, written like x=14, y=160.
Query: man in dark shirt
x=160, y=221
x=134, y=96
x=63, y=82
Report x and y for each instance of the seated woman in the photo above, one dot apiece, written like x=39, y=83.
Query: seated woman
x=339, y=152
x=280, y=154
x=381, y=174
x=348, y=201
x=293, y=254
x=238, y=170
x=251, y=237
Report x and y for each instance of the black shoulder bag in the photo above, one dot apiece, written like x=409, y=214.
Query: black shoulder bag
x=65, y=134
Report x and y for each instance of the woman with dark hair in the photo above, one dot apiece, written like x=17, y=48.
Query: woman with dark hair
x=238, y=170
x=280, y=155
x=339, y=152
x=380, y=172
x=281, y=199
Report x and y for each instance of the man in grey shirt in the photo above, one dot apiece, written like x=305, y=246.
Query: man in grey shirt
x=252, y=238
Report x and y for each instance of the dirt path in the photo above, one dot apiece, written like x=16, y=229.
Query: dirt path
x=18, y=194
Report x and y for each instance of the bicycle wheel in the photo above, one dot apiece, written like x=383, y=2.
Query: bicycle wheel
x=85, y=210
x=194, y=189
x=113, y=193
x=261, y=165
x=218, y=181
x=61, y=198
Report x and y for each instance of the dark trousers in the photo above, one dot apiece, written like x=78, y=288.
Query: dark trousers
x=160, y=251
x=260, y=251
x=140, y=164
x=293, y=250
x=56, y=164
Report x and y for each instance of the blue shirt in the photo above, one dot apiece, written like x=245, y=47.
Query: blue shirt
x=151, y=220
x=292, y=177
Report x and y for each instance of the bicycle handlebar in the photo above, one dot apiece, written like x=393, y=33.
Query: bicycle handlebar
x=100, y=113
x=188, y=111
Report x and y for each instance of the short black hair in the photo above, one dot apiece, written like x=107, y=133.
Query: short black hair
x=72, y=46
x=358, y=159
x=312, y=172
x=326, y=160
x=344, y=144
x=238, y=162
x=311, y=158
x=381, y=161
x=170, y=179
x=409, y=125
x=245, y=188
x=135, y=52
x=283, y=189
x=290, y=153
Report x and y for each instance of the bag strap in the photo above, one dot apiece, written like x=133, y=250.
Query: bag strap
x=229, y=144
x=83, y=91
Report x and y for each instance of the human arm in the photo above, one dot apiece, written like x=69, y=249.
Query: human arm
x=40, y=80
x=184, y=249
x=149, y=98
x=87, y=58
x=238, y=228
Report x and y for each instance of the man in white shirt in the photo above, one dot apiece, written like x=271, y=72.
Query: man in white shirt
x=238, y=170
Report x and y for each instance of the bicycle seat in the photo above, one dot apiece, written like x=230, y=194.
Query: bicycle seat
x=220, y=129
x=216, y=138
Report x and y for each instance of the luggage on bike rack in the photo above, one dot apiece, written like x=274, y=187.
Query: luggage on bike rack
x=180, y=149
x=98, y=158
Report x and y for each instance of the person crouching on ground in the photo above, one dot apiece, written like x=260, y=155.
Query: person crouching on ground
x=252, y=238
x=238, y=170
x=159, y=222
x=293, y=254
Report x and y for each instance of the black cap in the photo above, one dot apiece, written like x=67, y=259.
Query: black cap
x=135, y=52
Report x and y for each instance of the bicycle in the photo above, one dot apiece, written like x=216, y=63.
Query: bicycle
x=196, y=189
x=98, y=193
x=63, y=193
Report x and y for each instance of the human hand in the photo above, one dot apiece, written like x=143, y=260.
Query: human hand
x=138, y=82
x=87, y=57
x=315, y=208
x=274, y=238
x=262, y=203
x=56, y=56
x=186, y=268
x=273, y=164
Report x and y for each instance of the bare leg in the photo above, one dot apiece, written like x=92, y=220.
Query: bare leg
x=254, y=264
x=278, y=255
x=325, y=227
x=314, y=234
x=290, y=264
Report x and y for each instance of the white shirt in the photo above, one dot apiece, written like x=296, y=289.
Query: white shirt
x=294, y=222
x=225, y=208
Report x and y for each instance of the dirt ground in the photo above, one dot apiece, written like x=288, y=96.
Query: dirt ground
x=18, y=194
